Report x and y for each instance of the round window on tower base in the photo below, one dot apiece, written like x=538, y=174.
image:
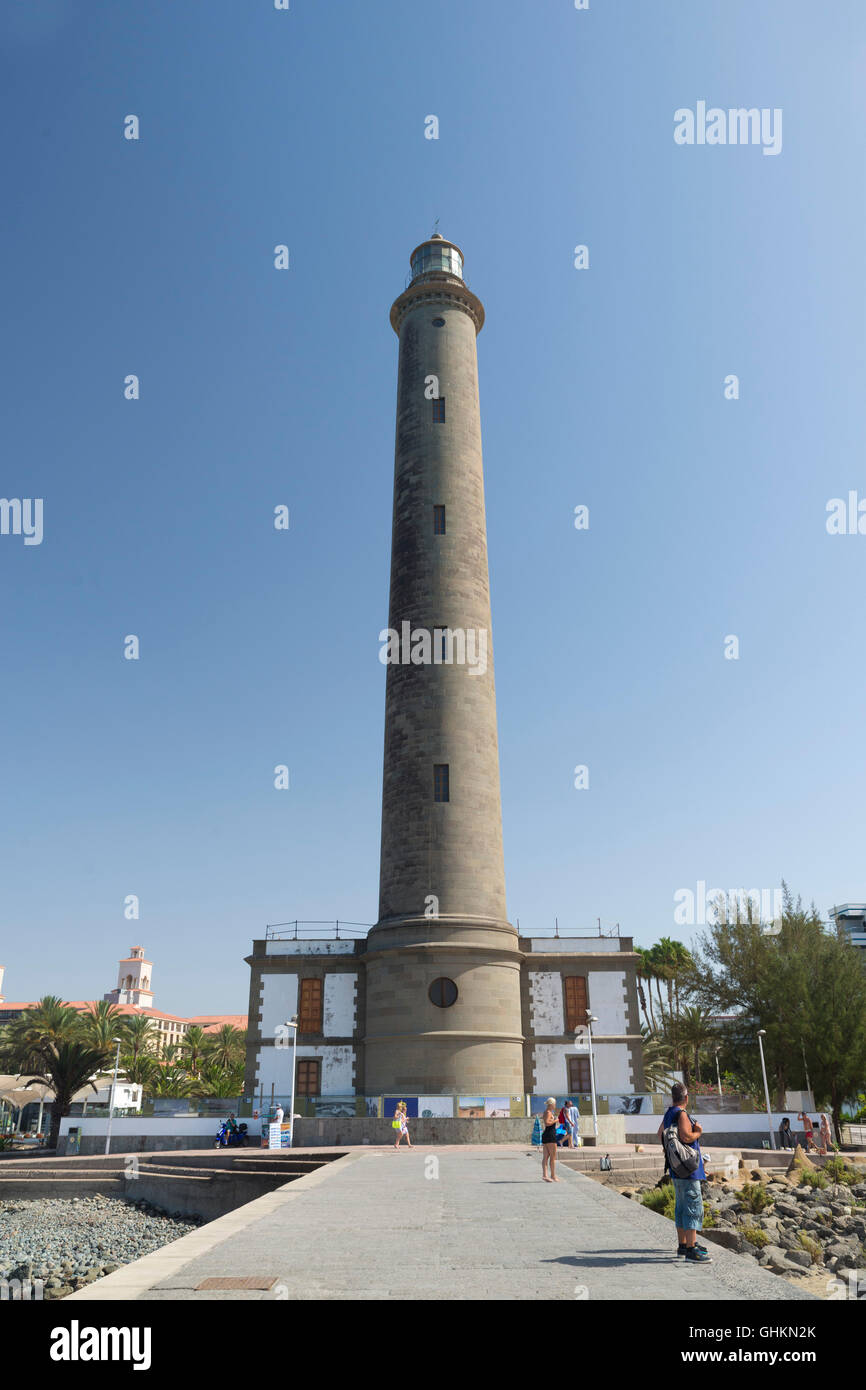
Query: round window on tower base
x=442, y=993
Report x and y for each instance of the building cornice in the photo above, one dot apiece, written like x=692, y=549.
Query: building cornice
x=433, y=289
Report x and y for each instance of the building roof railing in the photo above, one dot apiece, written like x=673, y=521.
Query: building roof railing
x=316, y=931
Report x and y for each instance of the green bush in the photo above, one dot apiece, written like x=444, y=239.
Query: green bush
x=811, y=1245
x=755, y=1198
x=661, y=1199
x=837, y=1170
x=812, y=1177
x=755, y=1236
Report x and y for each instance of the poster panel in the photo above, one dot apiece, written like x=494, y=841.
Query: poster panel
x=436, y=1107
x=497, y=1107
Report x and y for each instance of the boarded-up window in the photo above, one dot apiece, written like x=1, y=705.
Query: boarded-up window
x=310, y=1010
x=575, y=1002
x=578, y=1075
x=309, y=1072
x=439, y=411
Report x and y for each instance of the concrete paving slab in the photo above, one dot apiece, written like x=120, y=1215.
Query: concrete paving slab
x=445, y=1225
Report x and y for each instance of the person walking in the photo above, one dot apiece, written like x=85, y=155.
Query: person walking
x=403, y=1130
x=689, y=1208
x=548, y=1141
x=572, y=1122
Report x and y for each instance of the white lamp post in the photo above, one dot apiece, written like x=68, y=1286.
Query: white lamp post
x=762, y=1033
x=293, y=1024
x=718, y=1074
x=590, y=1020
x=111, y=1096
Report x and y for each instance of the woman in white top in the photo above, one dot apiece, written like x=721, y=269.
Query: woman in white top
x=403, y=1131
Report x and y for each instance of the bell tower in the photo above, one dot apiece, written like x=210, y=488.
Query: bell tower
x=133, y=980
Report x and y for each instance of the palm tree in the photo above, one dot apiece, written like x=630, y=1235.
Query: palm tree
x=645, y=972
x=226, y=1045
x=141, y=1070
x=141, y=1035
x=102, y=1023
x=172, y=1080
x=658, y=1059
x=695, y=1032
x=64, y=1064
x=216, y=1080
x=194, y=1043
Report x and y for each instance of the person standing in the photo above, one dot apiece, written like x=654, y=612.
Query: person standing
x=826, y=1136
x=689, y=1208
x=572, y=1122
x=403, y=1131
x=278, y=1115
x=808, y=1130
x=548, y=1141
x=786, y=1135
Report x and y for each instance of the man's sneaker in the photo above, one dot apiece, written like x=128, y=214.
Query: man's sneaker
x=698, y=1256
x=681, y=1249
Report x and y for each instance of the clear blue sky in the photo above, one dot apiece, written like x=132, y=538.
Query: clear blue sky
x=603, y=387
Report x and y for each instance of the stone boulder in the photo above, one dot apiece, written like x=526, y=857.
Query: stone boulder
x=727, y=1239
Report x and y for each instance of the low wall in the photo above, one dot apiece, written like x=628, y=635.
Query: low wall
x=739, y=1130
x=170, y=1133
x=364, y=1130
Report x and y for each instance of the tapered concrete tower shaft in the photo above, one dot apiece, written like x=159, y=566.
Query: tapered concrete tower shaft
x=442, y=927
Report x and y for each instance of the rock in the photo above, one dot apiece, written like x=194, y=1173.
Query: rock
x=772, y=1254
x=801, y=1257
x=728, y=1240
x=785, y=1207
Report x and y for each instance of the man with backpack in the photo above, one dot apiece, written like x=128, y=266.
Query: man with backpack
x=681, y=1141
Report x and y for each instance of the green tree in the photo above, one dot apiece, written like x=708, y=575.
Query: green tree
x=658, y=1059
x=801, y=984
x=194, y=1045
x=226, y=1046
x=49, y=1045
x=102, y=1023
x=140, y=1035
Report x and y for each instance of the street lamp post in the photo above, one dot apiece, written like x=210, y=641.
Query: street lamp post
x=111, y=1097
x=762, y=1033
x=293, y=1024
x=718, y=1074
x=590, y=1020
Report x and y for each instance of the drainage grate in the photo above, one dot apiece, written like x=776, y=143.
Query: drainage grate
x=252, y=1281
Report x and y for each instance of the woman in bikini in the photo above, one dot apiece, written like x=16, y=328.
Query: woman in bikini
x=548, y=1141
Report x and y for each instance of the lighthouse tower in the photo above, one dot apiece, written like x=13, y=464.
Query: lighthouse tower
x=442, y=963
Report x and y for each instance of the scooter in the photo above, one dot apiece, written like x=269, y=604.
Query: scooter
x=230, y=1139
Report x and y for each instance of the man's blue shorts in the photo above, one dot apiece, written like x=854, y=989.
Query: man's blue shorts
x=689, y=1210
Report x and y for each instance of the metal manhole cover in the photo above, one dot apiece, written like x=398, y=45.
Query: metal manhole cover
x=251, y=1281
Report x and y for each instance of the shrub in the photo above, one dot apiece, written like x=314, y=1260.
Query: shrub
x=755, y=1236
x=837, y=1170
x=661, y=1199
x=811, y=1245
x=709, y=1218
x=812, y=1177
x=755, y=1198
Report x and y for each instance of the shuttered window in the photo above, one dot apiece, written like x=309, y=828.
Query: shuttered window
x=310, y=1010
x=575, y=1002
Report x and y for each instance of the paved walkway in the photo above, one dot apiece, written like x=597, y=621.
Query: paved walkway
x=467, y=1222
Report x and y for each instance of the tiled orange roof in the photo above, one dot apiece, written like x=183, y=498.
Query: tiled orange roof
x=209, y=1022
